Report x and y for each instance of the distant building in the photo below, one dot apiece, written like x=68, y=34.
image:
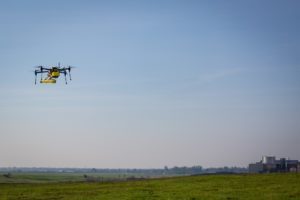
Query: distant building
x=270, y=164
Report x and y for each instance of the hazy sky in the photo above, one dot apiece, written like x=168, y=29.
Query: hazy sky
x=157, y=83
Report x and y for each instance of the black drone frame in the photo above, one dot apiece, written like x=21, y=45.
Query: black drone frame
x=65, y=70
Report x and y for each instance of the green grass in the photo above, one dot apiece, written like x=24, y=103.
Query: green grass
x=42, y=177
x=259, y=186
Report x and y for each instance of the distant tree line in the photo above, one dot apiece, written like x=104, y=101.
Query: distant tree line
x=136, y=172
x=183, y=170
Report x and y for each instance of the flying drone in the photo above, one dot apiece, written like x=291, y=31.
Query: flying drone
x=52, y=73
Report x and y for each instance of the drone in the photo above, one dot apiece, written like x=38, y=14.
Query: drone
x=52, y=73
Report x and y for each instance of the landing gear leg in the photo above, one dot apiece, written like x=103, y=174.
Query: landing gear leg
x=35, y=79
x=66, y=78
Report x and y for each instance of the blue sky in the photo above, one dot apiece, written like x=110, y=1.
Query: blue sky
x=157, y=83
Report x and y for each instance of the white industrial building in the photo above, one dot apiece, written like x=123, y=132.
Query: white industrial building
x=270, y=164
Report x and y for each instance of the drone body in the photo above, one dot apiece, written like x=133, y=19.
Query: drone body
x=52, y=73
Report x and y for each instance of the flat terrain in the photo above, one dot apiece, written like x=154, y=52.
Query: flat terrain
x=247, y=186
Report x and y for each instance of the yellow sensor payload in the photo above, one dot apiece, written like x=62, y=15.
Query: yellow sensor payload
x=52, y=73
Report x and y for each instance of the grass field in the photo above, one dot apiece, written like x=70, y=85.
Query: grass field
x=53, y=177
x=247, y=186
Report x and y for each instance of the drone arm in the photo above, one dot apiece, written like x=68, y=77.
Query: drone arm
x=41, y=68
x=64, y=70
x=36, y=72
x=40, y=72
